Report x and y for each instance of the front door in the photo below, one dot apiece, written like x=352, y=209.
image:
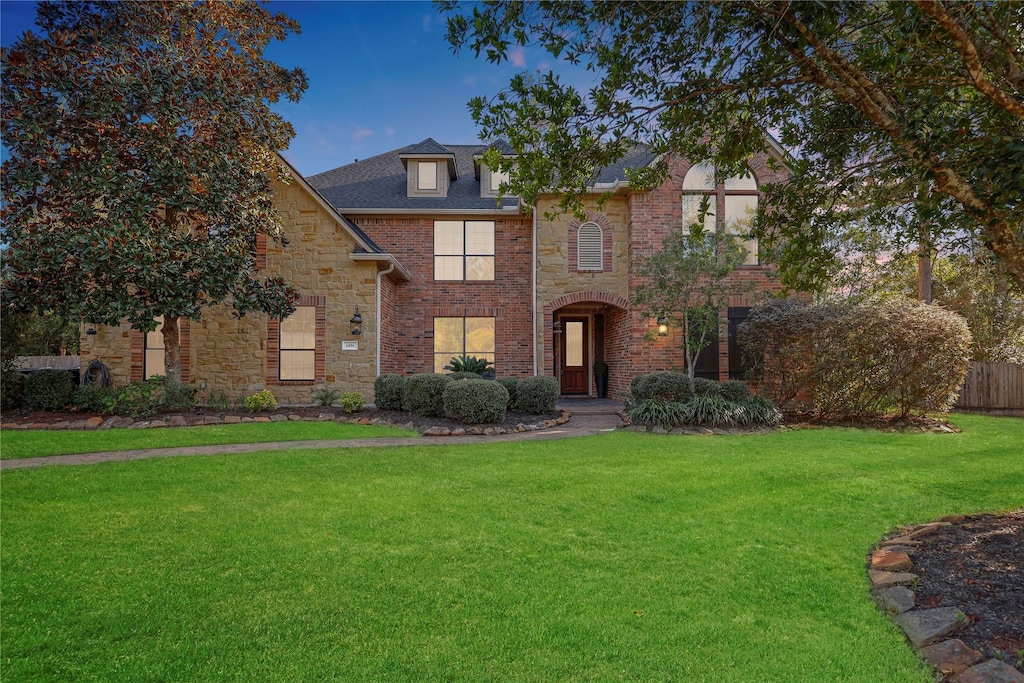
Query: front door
x=575, y=354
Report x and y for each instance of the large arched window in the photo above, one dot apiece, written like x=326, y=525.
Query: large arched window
x=729, y=207
x=590, y=247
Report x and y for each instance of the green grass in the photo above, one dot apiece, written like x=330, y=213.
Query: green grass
x=624, y=556
x=34, y=443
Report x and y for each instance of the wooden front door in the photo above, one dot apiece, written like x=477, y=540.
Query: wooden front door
x=575, y=355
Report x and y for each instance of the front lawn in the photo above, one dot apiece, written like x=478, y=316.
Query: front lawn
x=618, y=557
x=34, y=443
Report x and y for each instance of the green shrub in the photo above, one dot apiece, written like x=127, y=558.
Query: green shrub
x=477, y=366
x=388, y=391
x=511, y=385
x=177, y=396
x=136, y=400
x=706, y=387
x=657, y=412
x=326, y=397
x=12, y=390
x=537, y=395
x=475, y=401
x=261, y=400
x=662, y=386
x=734, y=390
x=351, y=401
x=48, y=390
x=95, y=398
x=858, y=360
x=464, y=375
x=219, y=400
x=424, y=394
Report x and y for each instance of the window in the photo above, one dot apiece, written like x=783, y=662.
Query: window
x=463, y=250
x=462, y=337
x=298, y=345
x=490, y=181
x=153, y=357
x=426, y=175
x=739, y=198
x=589, y=247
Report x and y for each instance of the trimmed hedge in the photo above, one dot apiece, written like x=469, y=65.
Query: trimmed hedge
x=734, y=390
x=537, y=395
x=703, y=386
x=48, y=389
x=511, y=385
x=475, y=401
x=661, y=386
x=12, y=390
x=388, y=391
x=465, y=375
x=424, y=394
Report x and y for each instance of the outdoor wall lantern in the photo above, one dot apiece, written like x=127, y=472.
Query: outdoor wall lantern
x=662, y=326
x=357, y=322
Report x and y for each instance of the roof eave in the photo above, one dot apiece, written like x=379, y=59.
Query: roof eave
x=399, y=269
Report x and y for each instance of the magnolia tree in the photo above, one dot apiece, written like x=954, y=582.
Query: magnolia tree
x=141, y=155
x=907, y=114
x=687, y=283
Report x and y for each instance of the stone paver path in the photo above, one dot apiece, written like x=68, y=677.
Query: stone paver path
x=587, y=421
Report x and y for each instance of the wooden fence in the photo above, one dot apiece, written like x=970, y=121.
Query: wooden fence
x=41, y=362
x=993, y=386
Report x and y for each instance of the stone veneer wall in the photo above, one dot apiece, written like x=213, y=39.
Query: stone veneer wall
x=416, y=303
x=230, y=355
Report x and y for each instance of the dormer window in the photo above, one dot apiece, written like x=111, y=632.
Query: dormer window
x=491, y=180
x=430, y=169
x=426, y=176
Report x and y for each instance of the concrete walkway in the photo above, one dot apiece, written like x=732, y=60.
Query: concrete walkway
x=588, y=418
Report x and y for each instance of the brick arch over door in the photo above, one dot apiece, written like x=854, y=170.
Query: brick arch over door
x=569, y=300
x=585, y=297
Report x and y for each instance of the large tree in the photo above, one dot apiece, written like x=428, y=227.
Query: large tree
x=141, y=155
x=918, y=102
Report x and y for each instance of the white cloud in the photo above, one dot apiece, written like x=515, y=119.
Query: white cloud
x=517, y=55
x=361, y=133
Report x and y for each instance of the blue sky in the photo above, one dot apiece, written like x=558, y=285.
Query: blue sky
x=381, y=76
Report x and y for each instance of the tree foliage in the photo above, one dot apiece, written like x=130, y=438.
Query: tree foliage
x=142, y=150
x=687, y=283
x=899, y=112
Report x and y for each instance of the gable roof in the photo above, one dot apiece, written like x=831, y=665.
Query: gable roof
x=380, y=182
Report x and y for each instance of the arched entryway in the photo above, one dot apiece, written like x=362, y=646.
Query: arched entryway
x=582, y=329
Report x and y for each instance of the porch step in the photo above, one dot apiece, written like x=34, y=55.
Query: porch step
x=590, y=406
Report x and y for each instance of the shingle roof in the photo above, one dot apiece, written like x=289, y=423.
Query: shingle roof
x=380, y=182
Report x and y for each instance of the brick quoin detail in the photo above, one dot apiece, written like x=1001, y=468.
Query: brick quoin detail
x=606, y=241
x=138, y=350
x=320, y=349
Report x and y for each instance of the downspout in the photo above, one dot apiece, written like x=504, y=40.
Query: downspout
x=534, y=212
x=380, y=327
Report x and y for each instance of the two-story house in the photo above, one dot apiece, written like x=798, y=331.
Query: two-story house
x=409, y=258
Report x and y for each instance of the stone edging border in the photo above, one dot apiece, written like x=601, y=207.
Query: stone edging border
x=927, y=629
x=117, y=422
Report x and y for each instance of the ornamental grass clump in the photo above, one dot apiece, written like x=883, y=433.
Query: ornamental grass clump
x=475, y=401
x=705, y=404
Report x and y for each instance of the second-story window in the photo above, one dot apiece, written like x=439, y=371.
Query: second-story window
x=736, y=199
x=426, y=175
x=463, y=250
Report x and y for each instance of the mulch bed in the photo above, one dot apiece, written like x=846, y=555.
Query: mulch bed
x=977, y=566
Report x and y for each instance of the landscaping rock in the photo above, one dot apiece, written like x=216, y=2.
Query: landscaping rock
x=94, y=423
x=295, y=418
x=17, y=426
x=58, y=426
x=458, y=431
x=278, y=418
x=880, y=579
x=901, y=541
x=261, y=418
x=211, y=420
x=436, y=431
x=77, y=424
x=992, y=671
x=157, y=424
x=232, y=420
x=887, y=561
x=109, y=422
x=896, y=599
x=123, y=422
x=926, y=529
x=247, y=420
x=325, y=417
x=178, y=421
x=475, y=431
x=950, y=656
x=144, y=424
x=925, y=626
